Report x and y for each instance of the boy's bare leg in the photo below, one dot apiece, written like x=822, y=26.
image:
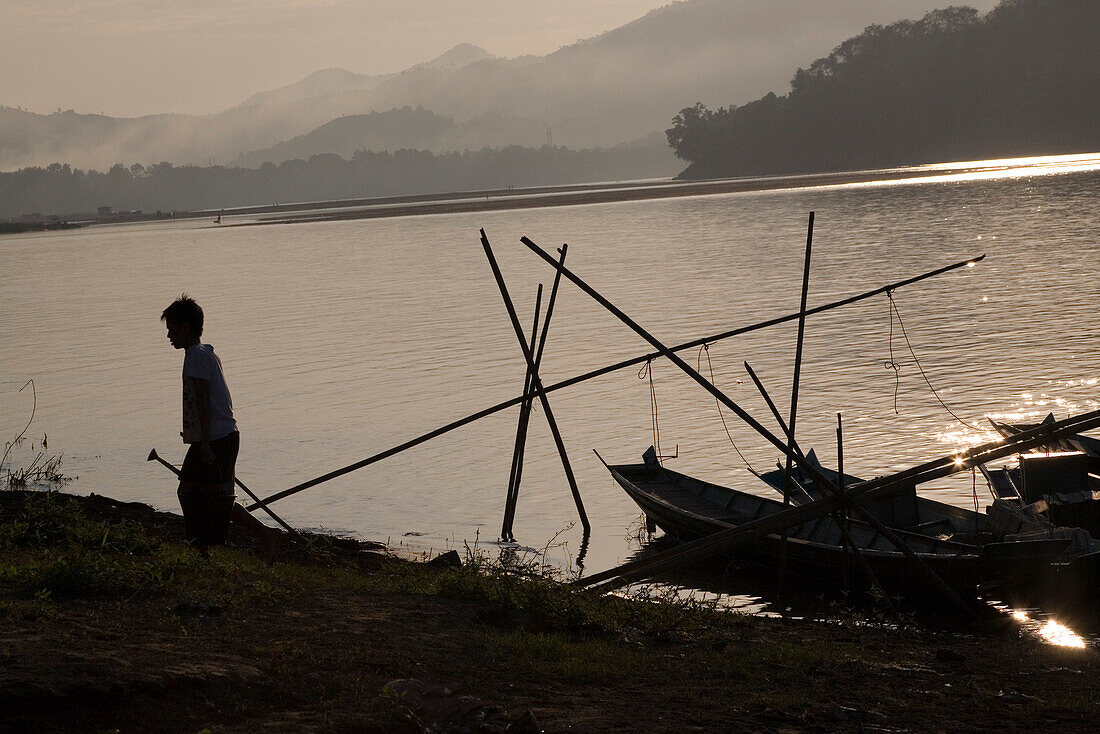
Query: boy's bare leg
x=269, y=537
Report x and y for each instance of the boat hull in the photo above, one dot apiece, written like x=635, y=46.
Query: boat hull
x=686, y=508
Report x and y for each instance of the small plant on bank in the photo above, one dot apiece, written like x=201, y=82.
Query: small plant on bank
x=43, y=469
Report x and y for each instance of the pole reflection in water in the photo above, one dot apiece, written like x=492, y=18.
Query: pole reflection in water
x=553, y=560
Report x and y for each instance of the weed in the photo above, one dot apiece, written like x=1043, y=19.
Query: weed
x=42, y=469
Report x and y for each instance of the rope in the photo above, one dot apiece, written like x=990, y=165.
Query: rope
x=721, y=416
x=647, y=371
x=891, y=364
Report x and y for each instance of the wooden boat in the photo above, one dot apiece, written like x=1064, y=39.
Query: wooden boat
x=1064, y=483
x=687, y=508
x=905, y=510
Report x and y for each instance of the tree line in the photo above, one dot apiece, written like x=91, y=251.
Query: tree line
x=59, y=189
x=1022, y=80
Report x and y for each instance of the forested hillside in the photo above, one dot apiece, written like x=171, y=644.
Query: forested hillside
x=1022, y=80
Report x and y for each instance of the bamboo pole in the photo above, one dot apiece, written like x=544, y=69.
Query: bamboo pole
x=538, y=357
x=521, y=435
x=453, y=425
x=535, y=380
x=525, y=407
x=798, y=355
x=845, y=516
x=795, y=385
x=772, y=407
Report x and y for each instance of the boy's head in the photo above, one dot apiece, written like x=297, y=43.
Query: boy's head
x=183, y=317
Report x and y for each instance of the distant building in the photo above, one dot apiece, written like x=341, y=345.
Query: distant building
x=105, y=210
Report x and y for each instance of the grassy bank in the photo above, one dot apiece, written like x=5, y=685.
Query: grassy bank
x=111, y=623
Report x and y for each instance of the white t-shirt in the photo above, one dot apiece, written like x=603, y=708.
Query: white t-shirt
x=200, y=362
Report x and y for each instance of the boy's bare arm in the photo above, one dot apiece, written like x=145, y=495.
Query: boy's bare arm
x=202, y=407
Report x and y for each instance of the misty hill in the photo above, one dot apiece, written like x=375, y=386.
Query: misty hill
x=404, y=129
x=1022, y=80
x=335, y=81
x=618, y=86
x=28, y=139
x=318, y=84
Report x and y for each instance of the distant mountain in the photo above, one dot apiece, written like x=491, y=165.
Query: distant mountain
x=335, y=81
x=317, y=84
x=457, y=57
x=618, y=86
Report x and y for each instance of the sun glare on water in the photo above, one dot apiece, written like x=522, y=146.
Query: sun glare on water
x=993, y=169
x=1053, y=632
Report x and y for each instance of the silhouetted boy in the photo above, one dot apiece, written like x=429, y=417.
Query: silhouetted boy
x=206, y=491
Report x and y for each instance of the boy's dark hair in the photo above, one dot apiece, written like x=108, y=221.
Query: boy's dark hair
x=184, y=310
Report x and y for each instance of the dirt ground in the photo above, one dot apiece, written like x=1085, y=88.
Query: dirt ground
x=340, y=658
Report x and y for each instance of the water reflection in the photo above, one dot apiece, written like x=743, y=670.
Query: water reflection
x=748, y=590
x=744, y=588
x=1048, y=629
x=1060, y=162
x=971, y=171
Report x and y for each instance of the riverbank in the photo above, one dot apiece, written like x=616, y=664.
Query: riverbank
x=110, y=623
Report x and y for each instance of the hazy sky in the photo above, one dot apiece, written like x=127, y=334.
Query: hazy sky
x=133, y=57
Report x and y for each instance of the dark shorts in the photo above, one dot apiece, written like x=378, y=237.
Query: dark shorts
x=218, y=472
x=206, y=490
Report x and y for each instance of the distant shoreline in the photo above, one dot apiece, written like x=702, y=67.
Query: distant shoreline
x=16, y=227
x=506, y=199
x=501, y=199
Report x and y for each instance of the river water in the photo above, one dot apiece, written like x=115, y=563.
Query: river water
x=342, y=339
